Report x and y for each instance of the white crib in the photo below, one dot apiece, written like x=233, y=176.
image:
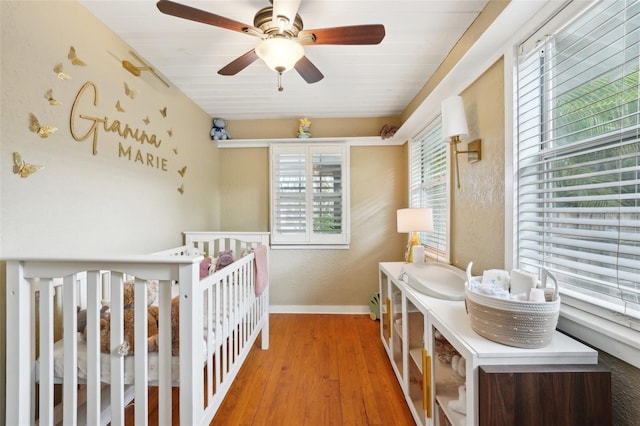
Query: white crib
x=220, y=319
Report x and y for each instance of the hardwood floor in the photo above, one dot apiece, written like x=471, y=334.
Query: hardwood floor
x=319, y=370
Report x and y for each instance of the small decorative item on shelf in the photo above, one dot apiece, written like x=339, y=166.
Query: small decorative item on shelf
x=218, y=131
x=388, y=131
x=304, y=129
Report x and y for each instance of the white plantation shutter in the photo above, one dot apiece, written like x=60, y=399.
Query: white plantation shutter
x=290, y=188
x=309, y=198
x=578, y=161
x=429, y=186
x=327, y=193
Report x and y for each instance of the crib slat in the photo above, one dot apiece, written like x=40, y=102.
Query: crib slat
x=70, y=327
x=217, y=318
x=209, y=333
x=93, y=347
x=46, y=351
x=164, y=353
x=141, y=354
x=117, y=362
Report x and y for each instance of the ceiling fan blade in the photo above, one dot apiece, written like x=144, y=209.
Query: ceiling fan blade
x=237, y=65
x=198, y=15
x=355, y=34
x=286, y=8
x=308, y=71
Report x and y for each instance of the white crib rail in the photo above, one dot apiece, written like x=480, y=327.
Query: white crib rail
x=29, y=278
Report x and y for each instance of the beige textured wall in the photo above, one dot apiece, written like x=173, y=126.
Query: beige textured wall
x=477, y=208
x=325, y=277
x=244, y=189
x=81, y=202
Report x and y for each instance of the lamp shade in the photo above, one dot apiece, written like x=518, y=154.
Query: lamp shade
x=415, y=220
x=454, y=120
x=280, y=53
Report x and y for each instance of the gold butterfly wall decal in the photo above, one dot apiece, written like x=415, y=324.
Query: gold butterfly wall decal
x=129, y=92
x=35, y=127
x=24, y=170
x=181, y=189
x=146, y=120
x=119, y=107
x=60, y=73
x=182, y=171
x=74, y=58
x=163, y=111
x=175, y=151
x=49, y=96
x=170, y=132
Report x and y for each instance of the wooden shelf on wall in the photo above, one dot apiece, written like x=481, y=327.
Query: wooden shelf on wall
x=351, y=141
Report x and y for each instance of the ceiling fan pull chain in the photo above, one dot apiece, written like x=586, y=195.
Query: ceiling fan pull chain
x=280, y=88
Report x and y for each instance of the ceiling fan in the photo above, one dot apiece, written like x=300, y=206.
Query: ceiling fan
x=281, y=34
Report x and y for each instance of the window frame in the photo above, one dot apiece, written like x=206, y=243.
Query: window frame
x=586, y=321
x=309, y=239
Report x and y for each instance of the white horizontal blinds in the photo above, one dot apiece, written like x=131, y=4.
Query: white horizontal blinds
x=578, y=157
x=310, y=194
x=429, y=185
x=327, y=193
x=289, y=215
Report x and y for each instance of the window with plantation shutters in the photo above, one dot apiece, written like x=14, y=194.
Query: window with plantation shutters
x=578, y=160
x=429, y=186
x=309, y=194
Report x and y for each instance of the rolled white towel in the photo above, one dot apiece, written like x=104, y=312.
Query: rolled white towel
x=462, y=367
x=522, y=281
x=454, y=362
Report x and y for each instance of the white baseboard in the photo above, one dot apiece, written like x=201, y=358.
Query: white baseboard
x=319, y=309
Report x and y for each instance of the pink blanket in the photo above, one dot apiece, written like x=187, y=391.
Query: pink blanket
x=262, y=269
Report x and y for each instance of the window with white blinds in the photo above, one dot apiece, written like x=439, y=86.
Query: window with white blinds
x=578, y=161
x=429, y=186
x=309, y=194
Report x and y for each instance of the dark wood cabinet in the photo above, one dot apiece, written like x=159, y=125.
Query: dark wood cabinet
x=545, y=395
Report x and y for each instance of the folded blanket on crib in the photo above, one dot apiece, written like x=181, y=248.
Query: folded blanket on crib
x=261, y=266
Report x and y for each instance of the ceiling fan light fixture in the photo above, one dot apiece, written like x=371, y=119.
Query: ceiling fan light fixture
x=280, y=53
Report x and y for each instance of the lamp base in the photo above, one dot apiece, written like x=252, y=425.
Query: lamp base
x=413, y=241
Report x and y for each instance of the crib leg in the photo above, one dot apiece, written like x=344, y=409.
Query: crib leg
x=264, y=339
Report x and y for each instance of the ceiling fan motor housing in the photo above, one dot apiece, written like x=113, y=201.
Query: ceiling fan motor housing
x=264, y=21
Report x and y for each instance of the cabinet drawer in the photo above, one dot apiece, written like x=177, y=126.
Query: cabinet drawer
x=544, y=395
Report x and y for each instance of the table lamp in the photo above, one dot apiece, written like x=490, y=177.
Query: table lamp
x=412, y=221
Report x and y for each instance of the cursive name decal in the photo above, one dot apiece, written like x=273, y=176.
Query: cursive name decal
x=79, y=120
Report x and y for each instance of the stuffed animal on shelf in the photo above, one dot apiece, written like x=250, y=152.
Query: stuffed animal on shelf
x=218, y=131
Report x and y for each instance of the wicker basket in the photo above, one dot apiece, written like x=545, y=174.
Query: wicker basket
x=515, y=323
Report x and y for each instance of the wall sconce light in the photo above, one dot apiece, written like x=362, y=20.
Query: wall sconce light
x=413, y=221
x=454, y=126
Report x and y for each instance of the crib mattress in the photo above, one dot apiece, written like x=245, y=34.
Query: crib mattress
x=105, y=364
